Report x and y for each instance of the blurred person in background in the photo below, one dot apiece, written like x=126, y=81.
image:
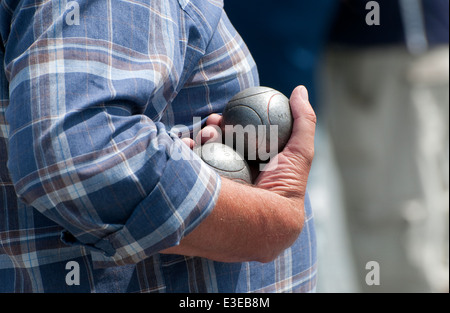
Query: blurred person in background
x=387, y=78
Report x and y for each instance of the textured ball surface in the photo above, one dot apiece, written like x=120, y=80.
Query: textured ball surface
x=259, y=106
x=225, y=161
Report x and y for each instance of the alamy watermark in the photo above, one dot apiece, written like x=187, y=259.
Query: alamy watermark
x=255, y=142
x=373, y=274
x=73, y=276
x=73, y=13
x=373, y=17
x=372, y=277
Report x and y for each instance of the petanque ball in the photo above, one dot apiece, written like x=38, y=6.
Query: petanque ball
x=225, y=161
x=258, y=106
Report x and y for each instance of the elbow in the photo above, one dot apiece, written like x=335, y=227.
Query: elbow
x=274, y=253
x=279, y=241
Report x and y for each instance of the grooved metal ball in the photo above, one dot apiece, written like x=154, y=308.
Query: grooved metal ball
x=258, y=106
x=224, y=160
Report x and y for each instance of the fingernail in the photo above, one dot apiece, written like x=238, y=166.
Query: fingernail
x=304, y=93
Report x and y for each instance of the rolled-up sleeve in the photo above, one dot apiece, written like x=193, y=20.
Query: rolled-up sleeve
x=89, y=83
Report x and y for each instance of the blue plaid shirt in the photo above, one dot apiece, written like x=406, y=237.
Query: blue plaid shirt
x=90, y=91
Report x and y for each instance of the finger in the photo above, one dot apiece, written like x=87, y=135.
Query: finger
x=211, y=133
x=189, y=142
x=214, y=119
x=303, y=131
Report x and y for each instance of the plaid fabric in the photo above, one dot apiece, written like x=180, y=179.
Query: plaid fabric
x=90, y=94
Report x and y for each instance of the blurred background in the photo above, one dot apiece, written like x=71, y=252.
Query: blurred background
x=378, y=77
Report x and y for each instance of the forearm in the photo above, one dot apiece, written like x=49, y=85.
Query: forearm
x=247, y=224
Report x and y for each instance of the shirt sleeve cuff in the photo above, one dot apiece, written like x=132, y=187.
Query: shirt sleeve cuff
x=185, y=195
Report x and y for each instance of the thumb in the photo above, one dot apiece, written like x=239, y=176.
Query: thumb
x=301, y=142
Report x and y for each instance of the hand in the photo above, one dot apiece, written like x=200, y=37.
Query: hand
x=287, y=173
x=257, y=223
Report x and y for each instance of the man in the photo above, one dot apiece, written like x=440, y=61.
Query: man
x=89, y=93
